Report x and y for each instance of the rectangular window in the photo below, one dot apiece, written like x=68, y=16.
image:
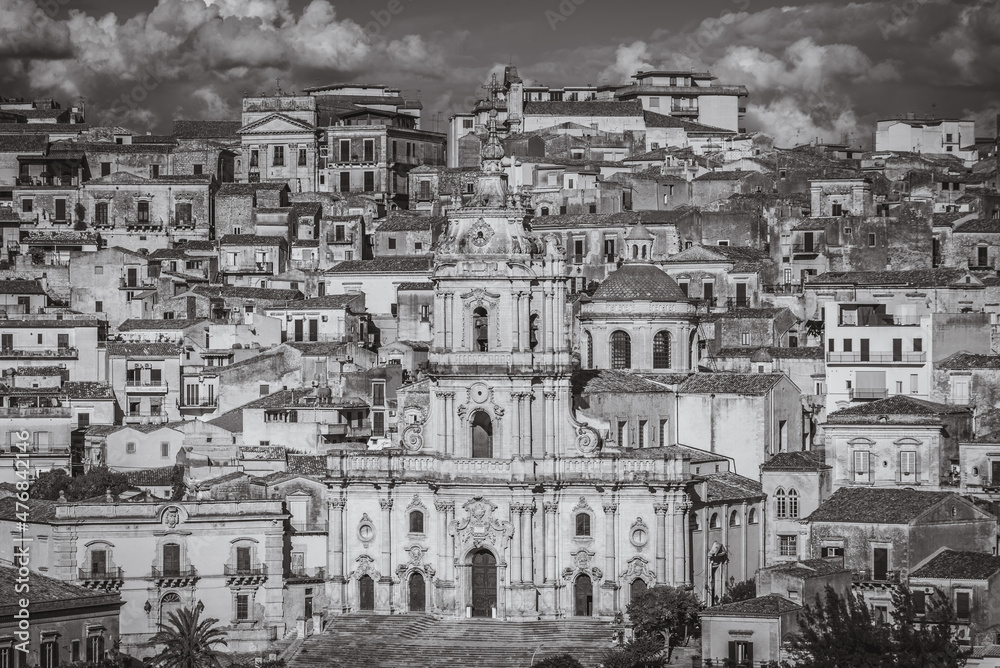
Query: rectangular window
x=95, y=648
x=919, y=599
x=788, y=545
x=105, y=169
x=745, y=338
x=642, y=433
x=391, y=242
x=345, y=150
x=578, y=251
x=26, y=205
x=74, y=653
x=369, y=182
x=918, y=345
x=49, y=654
x=243, y=559
x=378, y=394
x=142, y=212
x=198, y=169
x=60, y=216
x=378, y=423
x=369, y=150
x=663, y=432
x=622, y=426
x=279, y=156
x=848, y=345
x=130, y=448
x=831, y=551
x=265, y=389
x=610, y=254
x=302, y=157
x=914, y=383
x=963, y=604
x=242, y=607
x=164, y=449
x=154, y=171
x=861, y=460
x=907, y=463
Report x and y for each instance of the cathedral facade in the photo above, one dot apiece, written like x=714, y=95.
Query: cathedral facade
x=499, y=502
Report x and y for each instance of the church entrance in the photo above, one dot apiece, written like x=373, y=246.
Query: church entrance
x=482, y=436
x=484, y=584
x=366, y=591
x=418, y=593
x=583, y=590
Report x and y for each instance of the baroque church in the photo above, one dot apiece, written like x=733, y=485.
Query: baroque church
x=501, y=501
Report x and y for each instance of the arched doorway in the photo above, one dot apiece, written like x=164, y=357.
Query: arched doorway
x=484, y=583
x=366, y=593
x=482, y=436
x=583, y=592
x=170, y=602
x=636, y=589
x=418, y=593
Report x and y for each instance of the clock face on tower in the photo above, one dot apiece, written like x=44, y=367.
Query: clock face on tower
x=479, y=393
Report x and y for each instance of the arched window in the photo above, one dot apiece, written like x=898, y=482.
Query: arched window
x=793, y=503
x=714, y=522
x=621, y=350
x=661, y=350
x=416, y=522
x=533, y=331
x=482, y=436
x=734, y=518
x=582, y=524
x=635, y=251
x=481, y=328
x=636, y=589
x=170, y=602
x=780, y=503
x=752, y=516
x=590, y=350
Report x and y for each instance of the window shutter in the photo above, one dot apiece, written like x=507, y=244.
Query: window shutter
x=852, y=459
x=749, y=657
x=732, y=651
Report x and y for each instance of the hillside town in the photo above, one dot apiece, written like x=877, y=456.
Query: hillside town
x=365, y=378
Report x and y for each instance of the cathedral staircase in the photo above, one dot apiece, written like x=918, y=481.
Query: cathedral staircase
x=422, y=641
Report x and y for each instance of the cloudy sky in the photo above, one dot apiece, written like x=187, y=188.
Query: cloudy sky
x=814, y=68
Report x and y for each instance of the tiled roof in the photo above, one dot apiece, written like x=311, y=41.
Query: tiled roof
x=39, y=371
x=154, y=477
x=8, y=214
x=980, y=226
x=293, y=398
x=156, y=324
x=805, y=353
x=969, y=361
x=315, y=348
x=730, y=383
x=862, y=505
x=884, y=410
x=154, y=139
x=955, y=565
x=795, y=461
x=938, y=277
x=50, y=593
x=237, y=190
x=240, y=292
x=382, y=265
x=588, y=108
x=639, y=282
x=612, y=381
x=407, y=222
x=88, y=389
x=414, y=286
x=306, y=208
x=772, y=605
x=206, y=129
x=807, y=568
x=811, y=225
x=231, y=421
x=620, y=220
x=252, y=240
x=655, y=120
x=42, y=511
x=327, y=301
x=32, y=323
x=143, y=349
x=20, y=286
x=197, y=245
x=668, y=378
x=948, y=219
x=729, y=486
x=762, y=313
x=311, y=465
x=26, y=143
x=723, y=176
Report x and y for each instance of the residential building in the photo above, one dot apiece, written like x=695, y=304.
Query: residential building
x=404, y=234
x=146, y=377
x=929, y=135
x=251, y=260
x=969, y=582
x=56, y=338
x=749, y=632
x=802, y=581
x=279, y=141
x=334, y=318
x=795, y=484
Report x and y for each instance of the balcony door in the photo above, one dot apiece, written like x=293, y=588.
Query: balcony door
x=880, y=563
x=172, y=559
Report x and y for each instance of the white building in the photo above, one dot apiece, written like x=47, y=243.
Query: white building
x=939, y=135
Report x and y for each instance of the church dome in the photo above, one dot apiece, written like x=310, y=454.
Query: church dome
x=643, y=282
x=639, y=232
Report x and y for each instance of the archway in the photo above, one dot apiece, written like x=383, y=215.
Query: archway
x=366, y=593
x=482, y=436
x=418, y=593
x=484, y=583
x=636, y=589
x=583, y=593
x=481, y=328
x=171, y=602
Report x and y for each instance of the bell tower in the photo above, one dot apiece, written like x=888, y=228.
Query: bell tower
x=500, y=360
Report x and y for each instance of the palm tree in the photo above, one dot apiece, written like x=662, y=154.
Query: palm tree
x=188, y=640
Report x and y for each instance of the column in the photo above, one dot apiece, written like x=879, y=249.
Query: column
x=385, y=532
x=516, y=398
x=561, y=343
x=743, y=543
x=680, y=528
x=449, y=423
x=550, y=422
x=515, y=299
x=528, y=543
x=550, y=320
x=610, y=572
x=551, y=509
x=525, y=320
x=440, y=413
x=661, y=541
x=516, y=545
x=335, y=535
x=449, y=543
x=440, y=311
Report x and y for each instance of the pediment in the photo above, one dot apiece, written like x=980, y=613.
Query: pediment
x=276, y=123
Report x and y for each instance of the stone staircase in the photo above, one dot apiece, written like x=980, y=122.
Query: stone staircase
x=422, y=641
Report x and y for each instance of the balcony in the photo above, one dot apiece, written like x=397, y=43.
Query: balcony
x=250, y=576
x=36, y=411
x=884, y=320
x=146, y=418
x=362, y=430
x=683, y=110
x=802, y=249
x=305, y=575
x=869, y=577
x=732, y=302
x=36, y=449
x=867, y=393
x=53, y=353
x=252, y=268
x=782, y=289
x=143, y=225
x=198, y=408
x=146, y=387
x=138, y=284
x=176, y=577
x=346, y=240
x=107, y=579
x=876, y=358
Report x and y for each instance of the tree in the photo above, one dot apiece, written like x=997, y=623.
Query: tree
x=664, y=611
x=558, y=661
x=741, y=591
x=188, y=640
x=645, y=652
x=839, y=631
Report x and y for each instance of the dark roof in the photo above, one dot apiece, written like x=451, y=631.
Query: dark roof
x=606, y=380
x=294, y=397
x=240, y=292
x=803, y=352
x=42, y=511
x=980, y=226
x=230, y=421
x=143, y=349
x=382, y=265
x=970, y=361
x=252, y=240
x=414, y=286
x=26, y=143
x=327, y=301
x=588, y=108
x=772, y=605
x=940, y=276
x=158, y=476
x=795, y=461
x=643, y=282
x=88, y=389
x=861, y=505
x=311, y=465
x=206, y=129
x=39, y=371
x=730, y=383
x=655, y=120
x=398, y=221
x=314, y=348
x=722, y=176
x=810, y=568
x=137, y=324
x=954, y=565
x=21, y=286
x=730, y=486
x=883, y=410
x=237, y=189
x=52, y=594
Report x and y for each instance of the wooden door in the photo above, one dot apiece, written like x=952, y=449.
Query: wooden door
x=484, y=584
x=418, y=593
x=583, y=591
x=366, y=589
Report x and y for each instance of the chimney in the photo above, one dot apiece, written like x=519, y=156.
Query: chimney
x=911, y=116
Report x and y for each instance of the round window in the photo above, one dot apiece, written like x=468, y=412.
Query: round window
x=639, y=536
x=366, y=532
x=975, y=471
